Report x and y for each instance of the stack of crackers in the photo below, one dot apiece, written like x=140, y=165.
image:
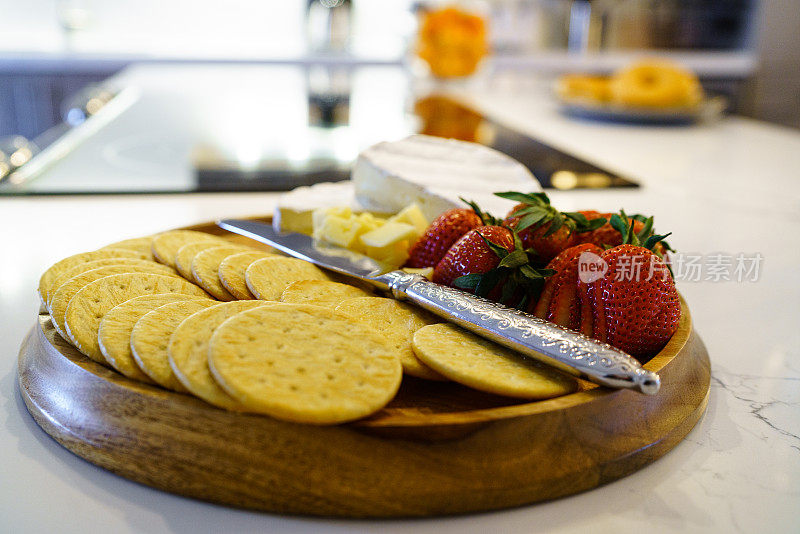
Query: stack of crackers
x=250, y=330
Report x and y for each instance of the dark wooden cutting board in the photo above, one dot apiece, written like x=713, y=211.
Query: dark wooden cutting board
x=436, y=449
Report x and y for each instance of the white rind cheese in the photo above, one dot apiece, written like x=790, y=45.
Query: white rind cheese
x=429, y=171
x=434, y=173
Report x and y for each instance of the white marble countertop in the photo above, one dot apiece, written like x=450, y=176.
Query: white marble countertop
x=727, y=187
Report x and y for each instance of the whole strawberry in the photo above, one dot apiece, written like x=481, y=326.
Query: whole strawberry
x=473, y=254
x=608, y=236
x=560, y=301
x=490, y=262
x=442, y=233
x=635, y=306
x=542, y=227
x=594, y=214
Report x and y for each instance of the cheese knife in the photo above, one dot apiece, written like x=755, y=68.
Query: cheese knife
x=566, y=350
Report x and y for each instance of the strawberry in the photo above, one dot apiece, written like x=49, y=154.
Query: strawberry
x=542, y=227
x=489, y=261
x=440, y=236
x=560, y=301
x=608, y=236
x=594, y=214
x=635, y=305
x=472, y=254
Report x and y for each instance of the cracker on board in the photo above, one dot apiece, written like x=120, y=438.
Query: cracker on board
x=321, y=292
x=143, y=245
x=51, y=274
x=187, y=253
x=116, y=326
x=188, y=351
x=268, y=277
x=90, y=304
x=151, y=335
x=62, y=296
x=166, y=245
x=304, y=363
x=231, y=272
x=205, y=270
x=94, y=264
x=481, y=364
x=396, y=321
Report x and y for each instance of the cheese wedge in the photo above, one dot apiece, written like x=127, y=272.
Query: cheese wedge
x=434, y=172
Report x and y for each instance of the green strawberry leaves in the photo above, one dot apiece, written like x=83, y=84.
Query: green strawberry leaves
x=487, y=218
x=499, y=251
x=533, y=199
x=518, y=258
x=531, y=216
x=643, y=238
x=620, y=224
x=517, y=278
x=651, y=241
x=468, y=281
x=582, y=224
x=538, y=212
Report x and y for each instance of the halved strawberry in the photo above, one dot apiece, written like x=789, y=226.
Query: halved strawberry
x=542, y=227
x=442, y=233
x=560, y=301
x=491, y=262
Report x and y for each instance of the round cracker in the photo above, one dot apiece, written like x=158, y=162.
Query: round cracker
x=268, y=277
x=166, y=245
x=396, y=321
x=304, y=363
x=90, y=304
x=321, y=293
x=187, y=253
x=46, y=281
x=481, y=364
x=150, y=338
x=63, y=295
x=114, y=334
x=143, y=245
x=94, y=264
x=231, y=272
x=188, y=351
x=205, y=270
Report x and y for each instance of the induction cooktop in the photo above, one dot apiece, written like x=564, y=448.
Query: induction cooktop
x=274, y=129
x=433, y=115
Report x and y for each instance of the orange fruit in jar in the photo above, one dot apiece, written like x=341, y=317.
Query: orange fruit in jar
x=452, y=42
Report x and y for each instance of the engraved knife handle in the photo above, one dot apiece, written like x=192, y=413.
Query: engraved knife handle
x=564, y=349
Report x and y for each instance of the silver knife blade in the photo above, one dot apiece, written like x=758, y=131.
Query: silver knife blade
x=304, y=247
x=569, y=351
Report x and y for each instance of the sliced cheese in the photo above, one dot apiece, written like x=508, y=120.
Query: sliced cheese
x=389, y=233
x=434, y=172
x=412, y=215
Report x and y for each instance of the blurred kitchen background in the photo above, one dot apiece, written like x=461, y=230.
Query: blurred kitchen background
x=302, y=68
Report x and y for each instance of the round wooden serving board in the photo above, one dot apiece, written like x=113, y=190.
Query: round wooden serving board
x=437, y=448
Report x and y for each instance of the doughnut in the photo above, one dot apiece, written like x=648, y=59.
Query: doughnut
x=655, y=84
